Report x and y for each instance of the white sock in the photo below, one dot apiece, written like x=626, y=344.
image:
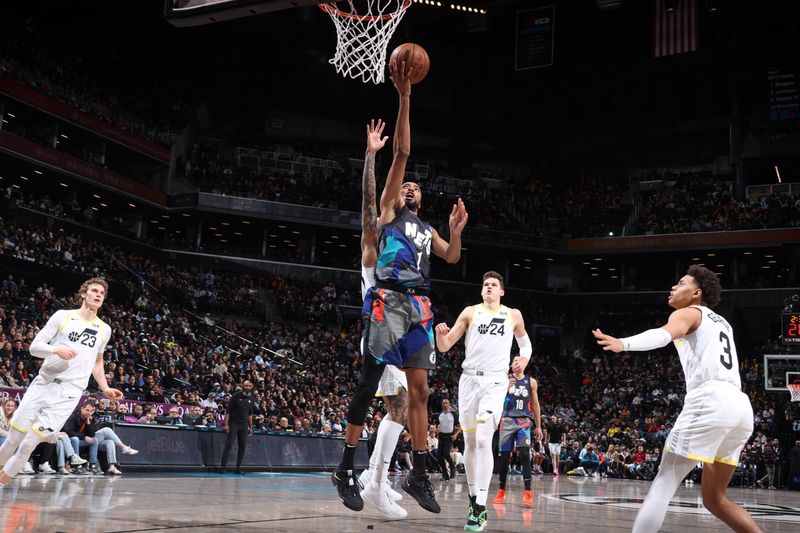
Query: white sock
x=670, y=474
x=388, y=433
x=469, y=460
x=484, y=461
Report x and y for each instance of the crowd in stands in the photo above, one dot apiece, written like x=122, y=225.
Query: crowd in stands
x=160, y=353
x=706, y=203
x=30, y=56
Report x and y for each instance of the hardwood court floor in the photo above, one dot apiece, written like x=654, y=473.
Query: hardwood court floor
x=308, y=502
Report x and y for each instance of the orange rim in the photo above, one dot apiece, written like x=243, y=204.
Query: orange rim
x=331, y=8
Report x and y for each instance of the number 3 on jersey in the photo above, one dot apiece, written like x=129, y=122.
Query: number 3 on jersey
x=723, y=338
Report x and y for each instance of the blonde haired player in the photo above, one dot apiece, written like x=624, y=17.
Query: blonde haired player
x=72, y=345
x=490, y=329
x=717, y=418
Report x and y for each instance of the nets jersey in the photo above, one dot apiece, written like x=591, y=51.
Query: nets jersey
x=488, y=339
x=519, y=399
x=404, y=249
x=708, y=353
x=67, y=328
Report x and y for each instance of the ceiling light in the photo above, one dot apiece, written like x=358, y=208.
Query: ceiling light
x=96, y=196
x=131, y=205
x=38, y=172
x=63, y=184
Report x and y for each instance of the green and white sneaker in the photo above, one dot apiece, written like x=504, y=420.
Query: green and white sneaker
x=477, y=518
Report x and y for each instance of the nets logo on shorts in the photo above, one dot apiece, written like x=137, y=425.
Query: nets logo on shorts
x=432, y=357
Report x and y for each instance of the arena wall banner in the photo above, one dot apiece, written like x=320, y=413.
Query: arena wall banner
x=202, y=447
x=61, y=110
x=61, y=161
x=162, y=409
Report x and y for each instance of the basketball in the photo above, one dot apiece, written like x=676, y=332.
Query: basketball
x=412, y=54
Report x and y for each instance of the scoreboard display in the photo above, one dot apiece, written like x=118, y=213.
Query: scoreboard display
x=790, y=328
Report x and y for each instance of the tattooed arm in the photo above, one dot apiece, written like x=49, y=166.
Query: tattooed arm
x=369, y=212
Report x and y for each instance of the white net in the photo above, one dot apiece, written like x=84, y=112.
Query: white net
x=362, y=35
x=794, y=388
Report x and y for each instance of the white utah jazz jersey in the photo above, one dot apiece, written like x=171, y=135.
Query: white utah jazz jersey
x=708, y=353
x=488, y=339
x=67, y=328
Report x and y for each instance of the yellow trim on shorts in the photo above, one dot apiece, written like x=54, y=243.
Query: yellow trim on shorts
x=469, y=430
x=40, y=434
x=703, y=459
x=13, y=425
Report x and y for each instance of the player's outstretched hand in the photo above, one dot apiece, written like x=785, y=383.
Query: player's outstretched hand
x=539, y=434
x=608, y=342
x=113, y=394
x=400, y=74
x=65, y=353
x=442, y=329
x=458, y=217
x=374, y=132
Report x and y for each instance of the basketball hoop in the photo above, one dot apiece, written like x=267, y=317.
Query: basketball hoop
x=362, y=37
x=794, y=388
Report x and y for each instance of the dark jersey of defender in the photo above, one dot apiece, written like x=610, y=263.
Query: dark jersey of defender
x=519, y=400
x=404, y=249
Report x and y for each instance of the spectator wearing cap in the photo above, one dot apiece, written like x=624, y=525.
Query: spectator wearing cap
x=210, y=401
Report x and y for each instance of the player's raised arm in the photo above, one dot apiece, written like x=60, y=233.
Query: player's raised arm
x=680, y=323
x=451, y=251
x=401, y=143
x=369, y=212
x=446, y=337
